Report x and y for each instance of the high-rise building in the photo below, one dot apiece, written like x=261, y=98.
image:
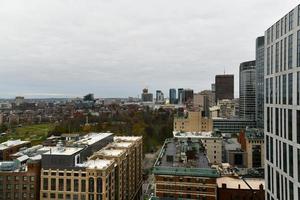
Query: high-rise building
x=180, y=95
x=172, y=96
x=188, y=95
x=247, y=90
x=224, y=86
x=260, y=48
x=159, y=97
x=19, y=100
x=282, y=114
x=147, y=97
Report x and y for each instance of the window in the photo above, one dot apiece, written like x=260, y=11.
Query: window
x=285, y=24
x=271, y=90
x=268, y=60
x=291, y=188
x=277, y=30
x=298, y=48
x=45, y=184
x=291, y=16
x=277, y=185
x=99, y=185
x=91, y=184
x=281, y=54
x=75, y=185
x=298, y=159
x=272, y=59
x=271, y=149
x=68, y=184
x=267, y=90
x=284, y=158
x=284, y=89
x=284, y=54
x=290, y=125
x=291, y=161
x=83, y=186
x=53, y=184
x=31, y=178
x=276, y=121
x=267, y=147
x=290, y=51
x=298, y=126
x=268, y=36
x=298, y=88
x=61, y=184
x=277, y=57
x=299, y=19
x=290, y=88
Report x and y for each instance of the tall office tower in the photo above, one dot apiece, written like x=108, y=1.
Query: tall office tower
x=224, y=86
x=147, y=97
x=247, y=90
x=188, y=95
x=180, y=95
x=213, y=87
x=260, y=47
x=282, y=113
x=159, y=97
x=172, y=96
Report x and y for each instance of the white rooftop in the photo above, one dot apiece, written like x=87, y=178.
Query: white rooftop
x=61, y=150
x=98, y=164
x=11, y=143
x=111, y=152
x=121, y=144
x=233, y=183
x=92, y=138
x=127, y=138
x=178, y=134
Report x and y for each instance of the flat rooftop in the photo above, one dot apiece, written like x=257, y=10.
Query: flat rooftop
x=61, y=150
x=100, y=164
x=92, y=138
x=234, y=183
x=111, y=152
x=200, y=135
x=11, y=143
x=176, y=153
x=127, y=138
x=121, y=144
x=178, y=171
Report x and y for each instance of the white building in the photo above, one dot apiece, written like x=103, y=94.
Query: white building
x=282, y=107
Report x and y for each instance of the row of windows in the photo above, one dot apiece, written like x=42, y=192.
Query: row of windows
x=279, y=89
x=71, y=196
x=284, y=187
x=18, y=178
x=284, y=123
x=283, y=26
x=45, y=173
x=16, y=186
x=8, y=196
x=283, y=52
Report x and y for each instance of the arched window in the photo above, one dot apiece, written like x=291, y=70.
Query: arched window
x=91, y=184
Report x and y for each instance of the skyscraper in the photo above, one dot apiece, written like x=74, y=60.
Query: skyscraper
x=147, y=97
x=282, y=113
x=180, y=95
x=224, y=86
x=247, y=90
x=172, y=96
x=260, y=46
x=159, y=97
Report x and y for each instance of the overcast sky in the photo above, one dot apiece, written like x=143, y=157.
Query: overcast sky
x=114, y=48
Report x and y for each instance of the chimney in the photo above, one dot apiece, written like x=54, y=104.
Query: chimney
x=224, y=186
x=239, y=186
x=261, y=187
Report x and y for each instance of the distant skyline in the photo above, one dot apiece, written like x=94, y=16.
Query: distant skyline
x=115, y=48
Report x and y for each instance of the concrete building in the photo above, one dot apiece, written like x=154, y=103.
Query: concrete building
x=192, y=121
x=233, y=153
x=212, y=142
x=147, y=97
x=252, y=142
x=180, y=96
x=19, y=100
x=240, y=189
x=233, y=126
x=182, y=171
x=159, y=97
x=10, y=147
x=227, y=108
x=282, y=100
x=260, y=52
x=224, y=85
x=247, y=90
x=172, y=96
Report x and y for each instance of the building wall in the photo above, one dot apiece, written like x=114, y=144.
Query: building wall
x=240, y=194
x=23, y=185
x=194, y=122
x=213, y=149
x=186, y=187
x=260, y=48
x=253, y=145
x=282, y=115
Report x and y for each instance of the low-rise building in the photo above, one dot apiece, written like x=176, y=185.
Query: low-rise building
x=192, y=121
x=240, y=189
x=10, y=147
x=212, y=142
x=182, y=171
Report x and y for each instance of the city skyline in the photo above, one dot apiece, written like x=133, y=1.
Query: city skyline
x=102, y=48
